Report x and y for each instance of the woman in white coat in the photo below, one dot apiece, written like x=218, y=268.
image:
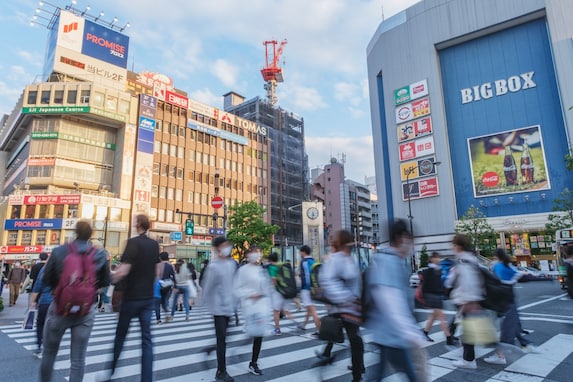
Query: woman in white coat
x=252, y=286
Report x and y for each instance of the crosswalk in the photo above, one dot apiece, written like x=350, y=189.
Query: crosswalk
x=179, y=354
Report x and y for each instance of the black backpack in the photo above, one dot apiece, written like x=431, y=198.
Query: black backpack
x=316, y=291
x=286, y=283
x=497, y=295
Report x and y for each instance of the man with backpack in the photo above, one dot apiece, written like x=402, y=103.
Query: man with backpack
x=282, y=278
x=140, y=267
x=306, y=265
x=74, y=273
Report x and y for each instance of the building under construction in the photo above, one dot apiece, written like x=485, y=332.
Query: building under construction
x=289, y=162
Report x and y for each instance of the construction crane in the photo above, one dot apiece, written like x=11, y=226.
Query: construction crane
x=272, y=72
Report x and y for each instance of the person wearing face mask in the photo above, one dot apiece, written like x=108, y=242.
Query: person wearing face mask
x=219, y=299
x=390, y=317
x=252, y=286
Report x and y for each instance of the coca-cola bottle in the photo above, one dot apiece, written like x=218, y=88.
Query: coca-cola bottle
x=509, y=168
x=527, y=167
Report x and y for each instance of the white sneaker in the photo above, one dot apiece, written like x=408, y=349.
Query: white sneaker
x=529, y=348
x=495, y=359
x=462, y=363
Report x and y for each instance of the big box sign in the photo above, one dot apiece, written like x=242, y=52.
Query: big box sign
x=504, y=99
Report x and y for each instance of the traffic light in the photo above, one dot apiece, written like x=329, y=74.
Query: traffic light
x=189, y=227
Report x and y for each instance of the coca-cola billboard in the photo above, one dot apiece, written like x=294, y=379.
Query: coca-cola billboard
x=508, y=162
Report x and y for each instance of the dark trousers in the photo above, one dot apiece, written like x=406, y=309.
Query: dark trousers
x=157, y=306
x=469, y=352
x=221, y=324
x=40, y=321
x=356, y=349
x=141, y=309
x=165, y=295
x=400, y=359
x=257, y=343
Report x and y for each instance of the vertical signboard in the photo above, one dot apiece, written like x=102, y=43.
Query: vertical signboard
x=144, y=157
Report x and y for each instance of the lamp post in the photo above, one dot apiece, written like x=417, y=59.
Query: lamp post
x=409, y=171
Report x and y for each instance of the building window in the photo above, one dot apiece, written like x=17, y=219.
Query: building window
x=170, y=193
x=72, y=96
x=162, y=192
x=32, y=97
x=164, y=170
x=85, y=97
x=179, y=194
x=156, y=168
x=59, y=97
x=180, y=173
x=159, y=125
x=181, y=152
x=190, y=197
x=154, y=191
x=165, y=148
x=45, y=98
x=161, y=215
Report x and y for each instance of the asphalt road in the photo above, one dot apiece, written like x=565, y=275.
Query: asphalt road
x=543, y=307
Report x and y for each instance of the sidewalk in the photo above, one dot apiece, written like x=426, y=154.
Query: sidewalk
x=15, y=314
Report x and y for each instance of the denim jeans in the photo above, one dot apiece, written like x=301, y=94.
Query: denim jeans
x=180, y=290
x=511, y=327
x=54, y=329
x=400, y=359
x=142, y=309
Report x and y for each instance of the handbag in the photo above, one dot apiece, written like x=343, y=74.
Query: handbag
x=29, y=319
x=331, y=329
x=478, y=329
x=192, y=289
x=257, y=317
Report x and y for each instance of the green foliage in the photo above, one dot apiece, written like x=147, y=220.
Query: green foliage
x=564, y=204
x=424, y=256
x=481, y=234
x=569, y=160
x=247, y=228
x=1, y=304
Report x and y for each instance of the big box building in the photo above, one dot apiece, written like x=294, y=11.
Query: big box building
x=483, y=88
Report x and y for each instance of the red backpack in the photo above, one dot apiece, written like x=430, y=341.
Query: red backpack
x=76, y=291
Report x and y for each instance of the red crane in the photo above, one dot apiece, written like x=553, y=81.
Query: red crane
x=272, y=72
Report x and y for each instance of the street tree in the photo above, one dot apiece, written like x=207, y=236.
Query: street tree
x=424, y=256
x=563, y=204
x=480, y=233
x=247, y=228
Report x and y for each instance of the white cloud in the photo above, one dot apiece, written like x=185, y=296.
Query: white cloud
x=206, y=96
x=301, y=98
x=226, y=72
x=357, y=151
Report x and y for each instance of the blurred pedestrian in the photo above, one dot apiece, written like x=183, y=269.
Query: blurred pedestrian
x=40, y=300
x=35, y=270
x=433, y=292
x=252, y=286
x=510, y=324
x=467, y=292
x=182, y=277
x=16, y=278
x=218, y=296
x=306, y=263
x=278, y=301
x=341, y=281
x=140, y=267
x=167, y=280
x=390, y=316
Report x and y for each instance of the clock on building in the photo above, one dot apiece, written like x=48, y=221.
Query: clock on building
x=312, y=213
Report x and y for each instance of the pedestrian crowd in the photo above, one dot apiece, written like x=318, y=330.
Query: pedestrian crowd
x=73, y=284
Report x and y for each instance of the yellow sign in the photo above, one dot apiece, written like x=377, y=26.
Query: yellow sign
x=409, y=168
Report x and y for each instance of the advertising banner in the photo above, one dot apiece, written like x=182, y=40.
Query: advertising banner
x=417, y=169
x=29, y=224
x=508, y=162
x=52, y=199
x=105, y=44
x=415, y=129
x=70, y=31
x=413, y=110
x=417, y=148
x=176, y=99
x=41, y=161
x=89, y=69
x=25, y=248
x=422, y=188
x=411, y=92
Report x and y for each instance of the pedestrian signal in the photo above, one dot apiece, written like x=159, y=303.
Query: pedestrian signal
x=189, y=227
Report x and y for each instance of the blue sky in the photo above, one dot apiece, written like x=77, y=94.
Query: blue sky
x=210, y=47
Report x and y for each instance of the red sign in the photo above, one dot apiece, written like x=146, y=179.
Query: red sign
x=421, y=107
x=22, y=249
x=217, y=202
x=490, y=179
x=407, y=151
x=428, y=187
x=176, y=99
x=52, y=199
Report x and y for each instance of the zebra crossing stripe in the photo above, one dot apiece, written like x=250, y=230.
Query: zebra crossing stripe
x=552, y=353
x=193, y=358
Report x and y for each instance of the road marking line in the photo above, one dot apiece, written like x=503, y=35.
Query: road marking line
x=541, y=302
x=553, y=352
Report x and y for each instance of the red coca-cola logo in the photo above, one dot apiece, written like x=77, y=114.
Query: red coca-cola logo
x=490, y=179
